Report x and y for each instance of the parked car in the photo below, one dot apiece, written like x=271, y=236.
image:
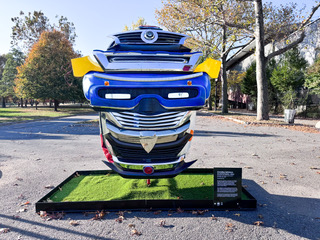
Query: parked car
x=146, y=87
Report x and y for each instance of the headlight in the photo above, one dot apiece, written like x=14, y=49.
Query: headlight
x=178, y=95
x=117, y=96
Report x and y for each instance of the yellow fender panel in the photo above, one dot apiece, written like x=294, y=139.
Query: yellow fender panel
x=83, y=65
x=209, y=66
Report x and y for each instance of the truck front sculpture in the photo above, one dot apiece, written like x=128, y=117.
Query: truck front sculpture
x=146, y=88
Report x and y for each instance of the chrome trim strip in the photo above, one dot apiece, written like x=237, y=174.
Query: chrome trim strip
x=115, y=159
x=111, y=77
x=102, y=58
x=136, y=133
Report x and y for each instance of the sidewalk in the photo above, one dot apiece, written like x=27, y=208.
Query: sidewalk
x=245, y=117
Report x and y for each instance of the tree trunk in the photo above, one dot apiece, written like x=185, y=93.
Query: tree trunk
x=3, y=102
x=224, y=83
x=21, y=102
x=210, y=102
x=216, y=95
x=262, y=83
x=56, y=105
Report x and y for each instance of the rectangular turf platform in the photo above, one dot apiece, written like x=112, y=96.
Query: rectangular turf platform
x=106, y=190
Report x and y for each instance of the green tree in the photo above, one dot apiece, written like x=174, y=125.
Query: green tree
x=272, y=23
x=249, y=83
x=289, y=76
x=312, y=81
x=46, y=73
x=28, y=28
x=205, y=22
x=140, y=22
x=3, y=59
x=14, y=59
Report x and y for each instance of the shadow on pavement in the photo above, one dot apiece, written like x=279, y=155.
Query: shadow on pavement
x=229, y=134
x=35, y=234
x=50, y=129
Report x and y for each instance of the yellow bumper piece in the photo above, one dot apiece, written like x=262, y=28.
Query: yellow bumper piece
x=83, y=65
x=209, y=66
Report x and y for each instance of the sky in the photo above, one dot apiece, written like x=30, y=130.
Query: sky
x=94, y=20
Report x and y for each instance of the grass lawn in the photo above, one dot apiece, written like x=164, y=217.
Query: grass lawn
x=16, y=114
x=99, y=187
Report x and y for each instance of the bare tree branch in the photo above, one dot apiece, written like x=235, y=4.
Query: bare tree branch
x=286, y=48
x=305, y=22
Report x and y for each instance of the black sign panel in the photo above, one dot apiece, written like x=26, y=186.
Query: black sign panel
x=227, y=187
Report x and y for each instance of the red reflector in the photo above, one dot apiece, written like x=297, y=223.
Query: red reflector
x=148, y=170
x=105, y=150
x=186, y=67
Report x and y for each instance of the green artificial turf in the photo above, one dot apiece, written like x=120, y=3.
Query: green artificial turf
x=97, y=187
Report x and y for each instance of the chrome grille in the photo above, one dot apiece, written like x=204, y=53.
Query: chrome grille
x=149, y=122
x=167, y=38
x=135, y=38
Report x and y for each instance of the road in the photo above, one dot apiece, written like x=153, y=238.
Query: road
x=280, y=169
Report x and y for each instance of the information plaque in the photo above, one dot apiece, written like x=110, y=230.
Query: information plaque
x=227, y=187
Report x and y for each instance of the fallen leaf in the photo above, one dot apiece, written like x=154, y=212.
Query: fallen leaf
x=26, y=203
x=202, y=183
x=49, y=186
x=21, y=197
x=4, y=230
x=19, y=179
x=55, y=216
x=258, y=223
x=74, y=223
x=229, y=227
x=314, y=168
x=318, y=172
x=157, y=212
x=247, y=167
x=179, y=210
x=120, y=219
x=169, y=214
x=162, y=223
x=42, y=213
x=254, y=154
x=293, y=163
x=99, y=215
x=22, y=210
x=16, y=217
x=135, y=232
x=237, y=214
x=260, y=216
x=137, y=218
x=130, y=225
x=214, y=218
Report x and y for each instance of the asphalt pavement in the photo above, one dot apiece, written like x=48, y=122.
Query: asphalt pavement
x=280, y=169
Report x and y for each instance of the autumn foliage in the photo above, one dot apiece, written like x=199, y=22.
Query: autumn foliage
x=46, y=73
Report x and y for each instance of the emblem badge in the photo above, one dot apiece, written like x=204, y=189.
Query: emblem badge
x=148, y=139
